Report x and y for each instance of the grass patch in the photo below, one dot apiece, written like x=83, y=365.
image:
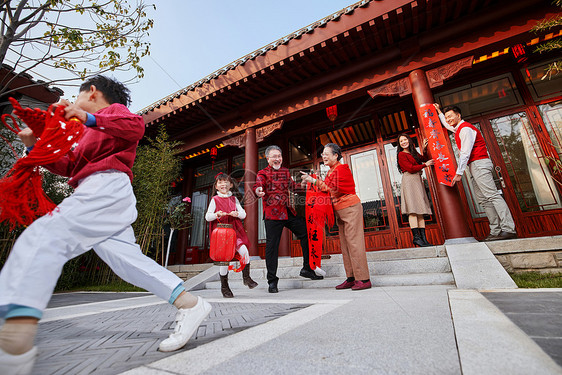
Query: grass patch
x=117, y=286
x=537, y=280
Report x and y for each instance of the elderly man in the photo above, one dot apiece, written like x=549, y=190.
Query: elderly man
x=474, y=155
x=273, y=184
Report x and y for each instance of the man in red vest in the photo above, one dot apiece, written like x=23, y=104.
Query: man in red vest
x=474, y=155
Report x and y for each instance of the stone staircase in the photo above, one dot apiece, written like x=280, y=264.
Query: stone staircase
x=415, y=266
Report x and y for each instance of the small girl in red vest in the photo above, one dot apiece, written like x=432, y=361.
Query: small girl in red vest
x=225, y=208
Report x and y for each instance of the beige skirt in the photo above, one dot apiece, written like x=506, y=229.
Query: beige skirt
x=414, y=198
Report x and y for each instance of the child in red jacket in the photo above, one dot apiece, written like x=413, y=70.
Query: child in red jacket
x=97, y=215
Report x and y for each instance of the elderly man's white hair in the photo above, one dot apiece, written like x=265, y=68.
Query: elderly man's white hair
x=271, y=148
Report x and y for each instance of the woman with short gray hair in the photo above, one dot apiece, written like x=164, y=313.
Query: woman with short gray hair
x=349, y=215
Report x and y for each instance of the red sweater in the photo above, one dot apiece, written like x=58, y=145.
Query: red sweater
x=341, y=186
x=409, y=164
x=110, y=144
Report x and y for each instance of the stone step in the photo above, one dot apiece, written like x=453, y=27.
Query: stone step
x=331, y=282
x=333, y=269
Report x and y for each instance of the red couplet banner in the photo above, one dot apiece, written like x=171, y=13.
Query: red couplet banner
x=445, y=165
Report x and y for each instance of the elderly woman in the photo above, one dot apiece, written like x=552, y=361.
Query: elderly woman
x=349, y=215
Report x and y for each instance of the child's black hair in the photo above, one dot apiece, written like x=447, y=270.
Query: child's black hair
x=113, y=90
x=233, y=189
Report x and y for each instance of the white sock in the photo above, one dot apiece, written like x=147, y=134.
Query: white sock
x=16, y=338
x=185, y=301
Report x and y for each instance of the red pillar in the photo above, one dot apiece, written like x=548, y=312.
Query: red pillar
x=250, y=200
x=449, y=208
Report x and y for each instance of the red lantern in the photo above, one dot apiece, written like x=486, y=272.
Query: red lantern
x=332, y=112
x=223, y=244
x=519, y=53
x=214, y=153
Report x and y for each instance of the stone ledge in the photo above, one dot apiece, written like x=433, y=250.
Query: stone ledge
x=526, y=245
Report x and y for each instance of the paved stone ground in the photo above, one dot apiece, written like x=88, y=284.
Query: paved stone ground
x=112, y=342
x=79, y=298
x=538, y=314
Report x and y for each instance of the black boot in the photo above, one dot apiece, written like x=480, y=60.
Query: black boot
x=246, y=277
x=423, y=237
x=417, y=237
x=225, y=289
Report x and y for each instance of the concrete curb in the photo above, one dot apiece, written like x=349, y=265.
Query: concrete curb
x=489, y=343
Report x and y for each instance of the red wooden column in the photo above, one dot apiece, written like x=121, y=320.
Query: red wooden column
x=449, y=208
x=250, y=200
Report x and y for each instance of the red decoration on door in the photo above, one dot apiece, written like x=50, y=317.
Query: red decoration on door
x=318, y=211
x=445, y=164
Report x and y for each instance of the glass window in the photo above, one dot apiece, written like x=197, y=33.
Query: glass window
x=551, y=114
x=542, y=87
x=525, y=162
x=396, y=182
x=476, y=210
x=490, y=95
x=199, y=201
x=368, y=185
x=300, y=149
x=205, y=175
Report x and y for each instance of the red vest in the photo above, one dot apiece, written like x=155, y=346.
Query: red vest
x=479, y=150
x=229, y=205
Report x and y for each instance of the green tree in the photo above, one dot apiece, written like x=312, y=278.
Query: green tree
x=553, y=44
x=79, y=38
x=156, y=167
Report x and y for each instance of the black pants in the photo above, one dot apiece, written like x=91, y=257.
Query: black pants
x=273, y=231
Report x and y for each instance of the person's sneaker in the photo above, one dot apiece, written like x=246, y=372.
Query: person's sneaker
x=310, y=274
x=346, y=285
x=187, y=321
x=21, y=364
x=506, y=235
x=359, y=285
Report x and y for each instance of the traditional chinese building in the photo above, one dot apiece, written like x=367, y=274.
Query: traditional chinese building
x=360, y=77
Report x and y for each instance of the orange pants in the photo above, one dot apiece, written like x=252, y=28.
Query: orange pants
x=352, y=241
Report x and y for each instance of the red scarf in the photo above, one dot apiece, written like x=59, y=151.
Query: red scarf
x=318, y=211
x=22, y=199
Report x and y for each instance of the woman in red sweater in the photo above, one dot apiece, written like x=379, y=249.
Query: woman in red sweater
x=414, y=199
x=349, y=215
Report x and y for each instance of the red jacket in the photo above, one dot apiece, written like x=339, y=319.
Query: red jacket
x=110, y=144
x=276, y=185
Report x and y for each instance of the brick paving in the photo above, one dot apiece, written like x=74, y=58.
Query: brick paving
x=79, y=298
x=112, y=342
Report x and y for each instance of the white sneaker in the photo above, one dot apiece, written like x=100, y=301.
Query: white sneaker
x=21, y=364
x=187, y=321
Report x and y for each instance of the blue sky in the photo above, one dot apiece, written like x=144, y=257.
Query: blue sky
x=193, y=38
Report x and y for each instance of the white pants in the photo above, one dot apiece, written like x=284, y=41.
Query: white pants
x=488, y=196
x=244, y=254
x=98, y=215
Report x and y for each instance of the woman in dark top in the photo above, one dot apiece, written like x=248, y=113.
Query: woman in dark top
x=414, y=199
